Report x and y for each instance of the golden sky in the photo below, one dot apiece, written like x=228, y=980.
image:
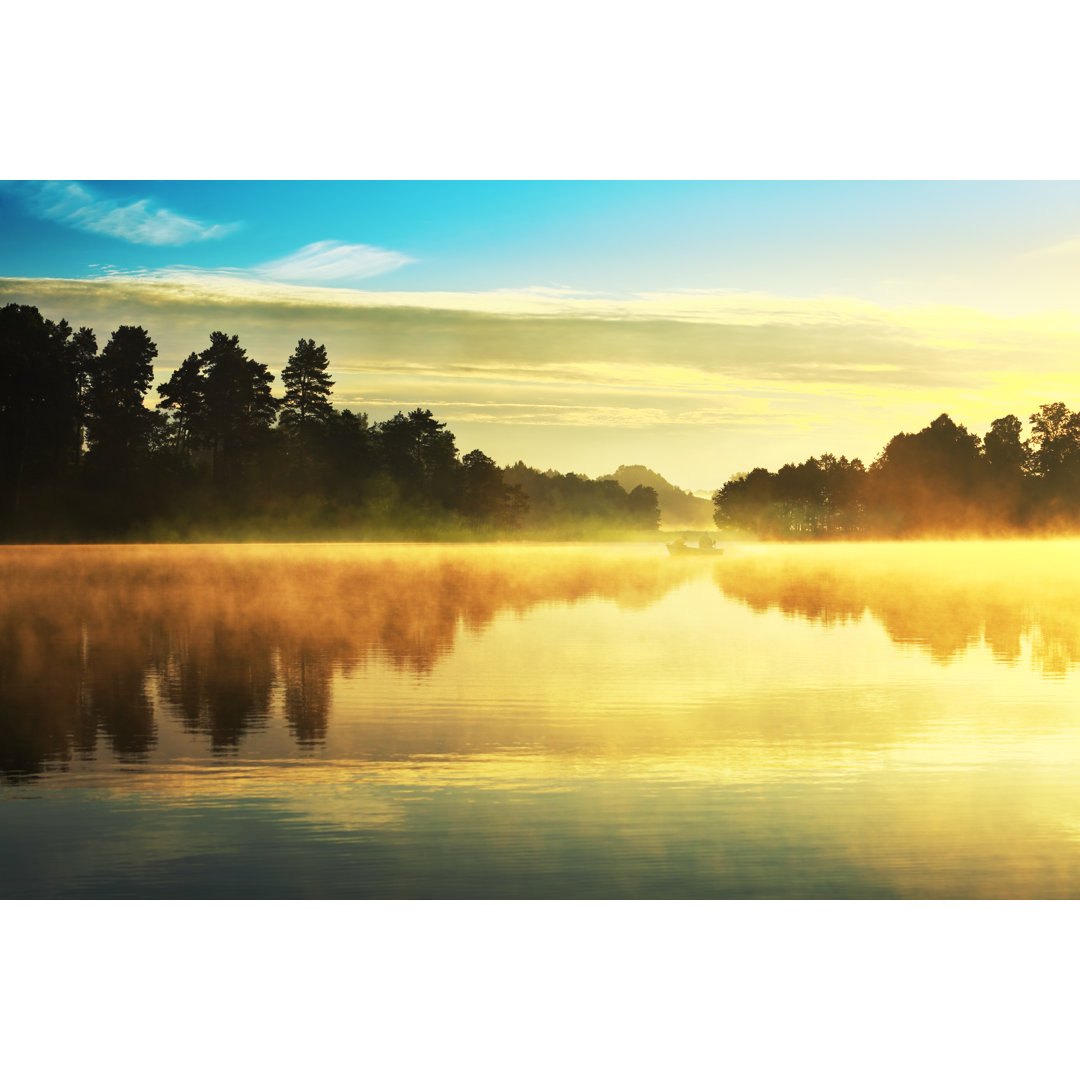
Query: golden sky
x=697, y=385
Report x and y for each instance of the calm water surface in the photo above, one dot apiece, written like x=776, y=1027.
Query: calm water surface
x=819, y=721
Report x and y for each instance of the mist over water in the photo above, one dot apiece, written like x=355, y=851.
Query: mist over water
x=540, y=720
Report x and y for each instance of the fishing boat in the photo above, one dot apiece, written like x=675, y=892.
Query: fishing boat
x=679, y=548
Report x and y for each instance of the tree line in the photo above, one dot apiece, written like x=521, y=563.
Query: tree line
x=82, y=456
x=942, y=480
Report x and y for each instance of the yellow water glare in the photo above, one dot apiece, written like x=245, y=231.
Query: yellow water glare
x=910, y=709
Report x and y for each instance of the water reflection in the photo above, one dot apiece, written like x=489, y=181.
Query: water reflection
x=99, y=647
x=91, y=637
x=872, y=720
x=1017, y=598
x=220, y=677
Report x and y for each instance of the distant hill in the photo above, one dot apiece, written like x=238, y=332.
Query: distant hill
x=678, y=509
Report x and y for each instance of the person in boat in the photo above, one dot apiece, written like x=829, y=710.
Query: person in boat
x=706, y=543
x=679, y=544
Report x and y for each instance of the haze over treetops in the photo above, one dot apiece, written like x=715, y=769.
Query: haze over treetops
x=705, y=329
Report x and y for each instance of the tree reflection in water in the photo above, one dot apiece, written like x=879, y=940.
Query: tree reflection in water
x=88, y=634
x=943, y=597
x=100, y=646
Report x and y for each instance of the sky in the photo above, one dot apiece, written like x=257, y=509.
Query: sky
x=699, y=328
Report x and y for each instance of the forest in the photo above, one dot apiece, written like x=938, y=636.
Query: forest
x=941, y=481
x=82, y=456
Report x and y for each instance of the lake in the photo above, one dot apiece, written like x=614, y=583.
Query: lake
x=540, y=721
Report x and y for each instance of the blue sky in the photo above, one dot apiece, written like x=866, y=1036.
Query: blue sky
x=699, y=328
x=873, y=240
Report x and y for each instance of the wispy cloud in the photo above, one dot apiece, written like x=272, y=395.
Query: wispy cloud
x=76, y=206
x=315, y=273
x=331, y=261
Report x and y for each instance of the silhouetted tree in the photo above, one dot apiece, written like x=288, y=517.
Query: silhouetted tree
x=644, y=506
x=483, y=486
x=1005, y=452
x=843, y=485
x=1055, y=435
x=183, y=398
x=39, y=408
x=1055, y=459
x=305, y=413
x=1008, y=460
x=819, y=497
x=486, y=497
x=800, y=490
x=307, y=388
x=118, y=425
x=749, y=501
x=238, y=407
x=929, y=481
x=346, y=453
x=419, y=454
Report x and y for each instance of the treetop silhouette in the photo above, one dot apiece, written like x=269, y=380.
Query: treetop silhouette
x=220, y=452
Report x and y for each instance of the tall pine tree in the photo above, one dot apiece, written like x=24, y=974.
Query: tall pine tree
x=183, y=398
x=237, y=408
x=118, y=424
x=307, y=388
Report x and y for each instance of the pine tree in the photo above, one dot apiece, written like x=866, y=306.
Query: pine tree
x=307, y=388
x=183, y=396
x=237, y=408
x=118, y=424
